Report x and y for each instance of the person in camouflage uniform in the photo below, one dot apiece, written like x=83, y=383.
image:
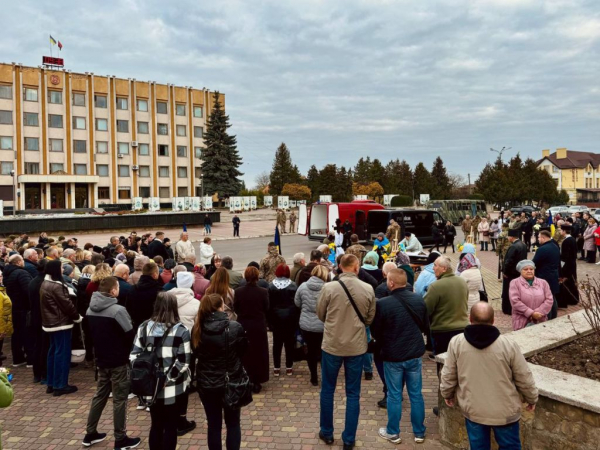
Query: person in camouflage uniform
x=558, y=236
x=356, y=249
x=283, y=221
x=270, y=262
x=475, y=225
x=466, y=225
x=391, y=231
x=292, y=222
x=502, y=244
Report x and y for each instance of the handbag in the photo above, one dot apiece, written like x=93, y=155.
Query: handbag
x=483, y=295
x=237, y=393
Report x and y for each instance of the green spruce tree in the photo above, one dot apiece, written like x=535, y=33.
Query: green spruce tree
x=440, y=187
x=283, y=171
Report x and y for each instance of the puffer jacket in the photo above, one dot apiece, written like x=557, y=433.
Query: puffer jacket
x=206, y=253
x=16, y=281
x=200, y=285
x=306, y=299
x=282, y=309
x=475, y=284
x=426, y=277
x=58, y=307
x=187, y=306
x=6, y=325
x=213, y=356
x=138, y=264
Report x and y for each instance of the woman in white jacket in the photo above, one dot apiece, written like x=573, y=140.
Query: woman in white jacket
x=467, y=269
x=187, y=305
x=206, y=252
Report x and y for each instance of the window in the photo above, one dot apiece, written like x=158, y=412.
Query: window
x=198, y=152
x=80, y=169
x=180, y=110
x=198, y=132
x=144, y=171
x=144, y=191
x=32, y=168
x=6, y=143
x=55, y=97
x=164, y=192
x=101, y=147
x=55, y=121
x=198, y=111
x=56, y=167
x=182, y=191
x=554, y=169
x=103, y=193
x=161, y=107
x=6, y=91
x=29, y=119
x=30, y=94
x=79, y=123
x=32, y=144
x=123, y=126
x=80, y=146
x=163, y=150
x=163, y=129
x=6, y=117
x=100, y=101
x=197, y=172
x=123, y=171
x=143, y=149
x=142, y=105
x=56, y=145
x=6, y=167
x=101, y=124
x=78, y=99
x=143, y=127
x=180, y=130
x=124, y=193
x=122, y=103
x=163, y=171
x=102, y=170
x=181, y=150
x=123, y=148
x=182, y=172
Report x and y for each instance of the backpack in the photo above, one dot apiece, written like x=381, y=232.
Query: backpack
x=147, y=377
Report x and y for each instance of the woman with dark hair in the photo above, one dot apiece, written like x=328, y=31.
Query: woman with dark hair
x=58, y=312
x=165, y=331
x=219, y=284
x=108, y=256
x=215, y=263
x=251, y=307
x=136, y=245
x=436, y=234
x=283, y=318
x=219, y=346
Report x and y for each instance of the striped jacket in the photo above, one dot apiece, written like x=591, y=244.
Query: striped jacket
x=175, y=351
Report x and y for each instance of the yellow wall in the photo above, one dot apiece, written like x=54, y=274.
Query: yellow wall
x=573, y=178
x=162, y=92
x=6, y=73
x=100, y=85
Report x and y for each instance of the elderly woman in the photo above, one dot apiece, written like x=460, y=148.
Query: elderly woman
x=200, y=282
x=484, y=233
x=589, y=241
x=467, y=269
x=530, y=297
x=469, y=249
x=371, y=266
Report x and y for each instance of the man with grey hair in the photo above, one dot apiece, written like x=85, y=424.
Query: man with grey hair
x=299, y=264
x=184, y=248
x=31, y=261
x=235, y=277
x=67, y=257
x=52, y=253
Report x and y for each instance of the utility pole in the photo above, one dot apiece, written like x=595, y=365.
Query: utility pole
x=469, y=185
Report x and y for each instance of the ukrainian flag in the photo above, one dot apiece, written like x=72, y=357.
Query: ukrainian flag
x=550, y=222
x=277, y=239
x=52, y=41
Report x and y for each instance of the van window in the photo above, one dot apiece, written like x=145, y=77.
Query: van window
x=418, y=218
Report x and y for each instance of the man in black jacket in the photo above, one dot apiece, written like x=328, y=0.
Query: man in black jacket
x=140, y=302
x=569, y=292
x=304, y=274
x=527, y=229
x=547, y=266
x=516, y=253
x=399, y=324
x=16, y=281
x=122, y=276
x=41, y=340
x=156, y=247
x=112, y=334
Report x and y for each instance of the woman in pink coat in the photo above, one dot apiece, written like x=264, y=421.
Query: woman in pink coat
x=589, y=241
x=200, y=283
x=530, y=297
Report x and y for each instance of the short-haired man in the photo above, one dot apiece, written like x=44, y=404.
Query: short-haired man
x=516, y=253
x=344, y=343
x=236, y=225
x=121, y=273
x=67, y=257
x=270, y=262
x=156, y=247
x=235, y=277
x=112, y=335
x=184, y=248
x=299, y=264
x=484, y=368
x=31, y=258
x=140, y=301
x=293, y=222
x=356, y=249
x=400, y=321
x=52, y=253
x=547, y=266
x=305, y=273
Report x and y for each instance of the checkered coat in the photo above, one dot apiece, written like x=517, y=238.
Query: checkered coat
x=175, y=351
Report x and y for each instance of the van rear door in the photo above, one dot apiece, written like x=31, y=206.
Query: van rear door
x=333, y=213
x=360, y=222
x=302, y=220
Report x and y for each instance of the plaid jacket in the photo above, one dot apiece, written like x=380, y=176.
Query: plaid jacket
x=175, y=351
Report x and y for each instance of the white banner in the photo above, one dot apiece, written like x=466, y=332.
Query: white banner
x=178, y=203
x=246, y=203
x=268, y=200
x=253, y=202
x=1, y=208
x=300, y=202
x=424, y=198
x=362, y=197
x=187, y=203
x=154, y=204
x=283, y=202
x=195, y=204
x=325, y=198
x=208, y=203
x=136, y=204
x=236, y=204
x=293, y=203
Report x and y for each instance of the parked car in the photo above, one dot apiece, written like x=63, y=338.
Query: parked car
x=558, y=209
x=578, y=208
x=527, y=209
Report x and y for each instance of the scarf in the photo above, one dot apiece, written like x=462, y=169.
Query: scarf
x=468, y=262
x=402, y=258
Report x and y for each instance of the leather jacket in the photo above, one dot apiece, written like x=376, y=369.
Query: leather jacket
x=58, y=306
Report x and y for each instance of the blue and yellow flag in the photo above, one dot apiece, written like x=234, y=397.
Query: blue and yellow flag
x=551, y=223
x=277, y=240
x=52, y=41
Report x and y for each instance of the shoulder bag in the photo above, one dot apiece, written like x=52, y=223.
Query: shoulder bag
x=237, y=393
x=483, y=296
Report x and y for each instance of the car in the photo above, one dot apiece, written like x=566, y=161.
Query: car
x=558, y=209
x=527, y=209
x=578, y=208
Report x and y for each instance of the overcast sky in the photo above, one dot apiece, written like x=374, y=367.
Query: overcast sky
x=336, y=80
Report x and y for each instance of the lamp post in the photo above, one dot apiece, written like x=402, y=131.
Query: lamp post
x=14, y=211
x=202, y=190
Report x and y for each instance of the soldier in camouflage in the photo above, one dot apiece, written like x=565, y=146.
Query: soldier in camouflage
x=356, y=249
x=475, y=225
x=270, y=262
x=502, y=246
x=466, y=226
x=393, y=230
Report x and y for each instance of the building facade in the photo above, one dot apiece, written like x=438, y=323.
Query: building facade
x=578, y=173
x=71, y=140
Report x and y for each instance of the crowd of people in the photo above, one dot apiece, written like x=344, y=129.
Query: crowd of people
x=207, y=324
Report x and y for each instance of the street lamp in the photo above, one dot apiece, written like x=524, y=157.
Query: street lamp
x=14, y=211
x=202, y=190
x=500, y=151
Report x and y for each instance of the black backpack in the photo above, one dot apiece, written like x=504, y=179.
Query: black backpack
x=147, y=377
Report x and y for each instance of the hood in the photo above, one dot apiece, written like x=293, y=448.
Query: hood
x=216, y=323
x=481, y=336
x=429, y=268
x=315, y=283
x=100, y=302
x=281, y=283
x=139, y=262
x=184, y=296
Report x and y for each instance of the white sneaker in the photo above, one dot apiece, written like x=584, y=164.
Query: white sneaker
x=598, y=263
x=131, y=396
x=147, y=409
x=419, y=440
x=110, y=395
x=394, y=438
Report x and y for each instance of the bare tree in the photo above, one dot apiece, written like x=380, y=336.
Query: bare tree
x=262, y=180
x=590, y=300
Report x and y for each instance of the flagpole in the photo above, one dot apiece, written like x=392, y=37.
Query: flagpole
x=50, y=43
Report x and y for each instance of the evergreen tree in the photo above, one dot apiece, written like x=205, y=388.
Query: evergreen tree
x=441, y=186
x=344, y=189
x=314, y=182
x=283, y=171
x=221, y=158
x=376, y=172
x=422, y=181
x=362, y=171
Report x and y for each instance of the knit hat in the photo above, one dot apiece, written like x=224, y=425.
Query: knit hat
x=185, y=280
x=514, y=232
x=525, y=263
x=170, y=264
x=67, y=270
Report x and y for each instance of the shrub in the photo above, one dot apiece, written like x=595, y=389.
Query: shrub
x=402, y=200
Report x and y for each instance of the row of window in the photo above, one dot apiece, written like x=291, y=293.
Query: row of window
x=144, y=192
x=56, y=121
x=79, y=146
x=100, y=101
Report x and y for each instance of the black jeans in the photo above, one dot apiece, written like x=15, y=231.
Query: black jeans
x=40, y=353
x=449, y=242
x=313, y=342
x=236, y=231
x=212, y=400
x=21, y=342
x=441, y=340
x=163, y=430
x=281, y=337
x=117, y=381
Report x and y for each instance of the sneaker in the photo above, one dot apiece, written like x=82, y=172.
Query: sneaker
x=147, y=409
x=110, y=395
x=186, y=427
x=49, y=390
x=29, y=366
x=276, y=372
x=289, y=372
x=394, y=438
x=65, y=391
x=19, y=364
x=368, y=376
x=126, y=443
x=140, y=406
x=598, y=263
x=419, y=440
x=93, y=438
x=131, y=396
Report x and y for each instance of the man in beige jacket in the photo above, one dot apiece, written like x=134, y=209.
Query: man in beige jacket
x=487, y=374
x=344, y=342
